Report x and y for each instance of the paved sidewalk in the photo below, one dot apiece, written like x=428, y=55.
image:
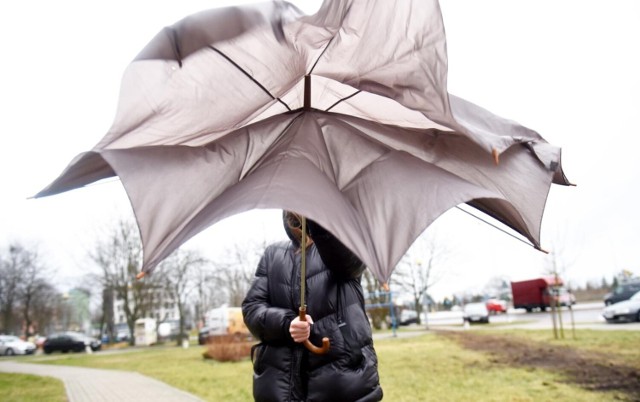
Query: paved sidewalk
x=94, y=385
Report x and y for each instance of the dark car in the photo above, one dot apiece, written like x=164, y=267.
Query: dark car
x=70, y=341
x=622, y=292
x=408, y=317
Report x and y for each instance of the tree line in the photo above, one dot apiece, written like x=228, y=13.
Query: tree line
x=27, y=296
x=31, y=303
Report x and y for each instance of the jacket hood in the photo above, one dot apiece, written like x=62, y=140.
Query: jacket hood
x=288, y=221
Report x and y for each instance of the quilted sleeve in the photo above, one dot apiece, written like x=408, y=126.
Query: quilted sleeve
x=266, y=322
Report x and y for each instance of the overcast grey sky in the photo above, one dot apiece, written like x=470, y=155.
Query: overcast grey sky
x=565, y=68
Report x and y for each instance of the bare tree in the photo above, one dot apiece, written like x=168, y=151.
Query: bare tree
x=379, y=301
x=554, y=268
x=420, y=268
x=119, y=257
x=11, y=266
x=33, y=284
x=44, y=308
x=24, y=284
x=236, y=269
x=207, y=293
x=557, y=262
x=561, y=256
x=180, y=277
x=498, y=287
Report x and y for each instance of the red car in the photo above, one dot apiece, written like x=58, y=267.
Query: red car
x=496, y=306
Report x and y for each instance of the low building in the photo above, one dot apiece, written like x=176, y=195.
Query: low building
x=159, y=305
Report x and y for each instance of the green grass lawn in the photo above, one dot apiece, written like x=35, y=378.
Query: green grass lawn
x=433, y=368
x=30, y=388
x=427, y=367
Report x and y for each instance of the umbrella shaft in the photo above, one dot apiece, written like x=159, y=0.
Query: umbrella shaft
x=303, y=260
x=307, y=92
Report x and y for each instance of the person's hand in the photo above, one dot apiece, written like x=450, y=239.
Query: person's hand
x=300, y=330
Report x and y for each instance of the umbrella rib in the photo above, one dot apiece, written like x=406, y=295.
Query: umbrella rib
x=249, y=76
x=330, y=40
x=343, y=99
x=318, y=59
x=496, y=227
x=176, y=46
x=278, y=138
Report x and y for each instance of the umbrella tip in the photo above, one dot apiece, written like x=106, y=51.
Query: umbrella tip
x=496, y=156
x=385, y=286
x=141, y=275
x=543, y=250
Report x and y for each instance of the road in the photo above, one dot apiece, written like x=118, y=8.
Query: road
x=585, y=315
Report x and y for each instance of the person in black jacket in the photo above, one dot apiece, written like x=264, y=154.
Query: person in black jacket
x=284, y=370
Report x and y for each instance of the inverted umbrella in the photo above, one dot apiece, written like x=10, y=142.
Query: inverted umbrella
x=342, y=116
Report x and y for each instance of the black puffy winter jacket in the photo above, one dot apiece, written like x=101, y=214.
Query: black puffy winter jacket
x=285, y=370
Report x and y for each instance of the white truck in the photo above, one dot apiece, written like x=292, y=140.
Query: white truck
x=222, y=321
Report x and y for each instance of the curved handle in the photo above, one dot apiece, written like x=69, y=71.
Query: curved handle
x=310, y=346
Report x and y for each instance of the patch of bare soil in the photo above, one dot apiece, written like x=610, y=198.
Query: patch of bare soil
x=590, y=370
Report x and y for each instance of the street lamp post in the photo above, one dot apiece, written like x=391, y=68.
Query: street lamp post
x=425, y=295
x=65, y=311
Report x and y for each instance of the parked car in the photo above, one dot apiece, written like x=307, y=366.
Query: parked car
x=121, y=334
x=622, y=292
x=408, y=317
x=496, y=306
x=12, y=345
x=475, y=312
x=70, y=341
x=627, y=310
x=203, y=335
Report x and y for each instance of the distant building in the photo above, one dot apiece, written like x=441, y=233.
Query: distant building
x=74, y=311
x=161, y=307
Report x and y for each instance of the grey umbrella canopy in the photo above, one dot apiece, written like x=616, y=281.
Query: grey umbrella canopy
x=342, y=116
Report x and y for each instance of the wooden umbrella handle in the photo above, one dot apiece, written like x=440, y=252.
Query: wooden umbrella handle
x=313, y=348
